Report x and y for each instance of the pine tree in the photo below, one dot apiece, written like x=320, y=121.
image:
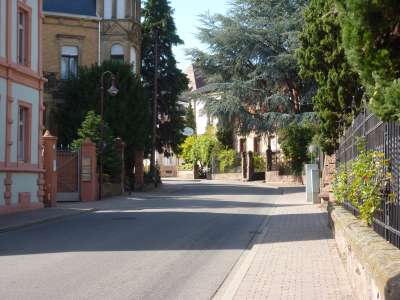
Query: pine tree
x=322, y=58
x=251, y=64
x=158, y=24
x=371, y=38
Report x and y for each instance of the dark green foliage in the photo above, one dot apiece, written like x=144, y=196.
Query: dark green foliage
x=190, y=118
x=225, y=132
x=127, y=114
x=322, y=58
x=90, y=128
x=158, y=17
x=251, y=64
x=371, y=37
x=294, y=141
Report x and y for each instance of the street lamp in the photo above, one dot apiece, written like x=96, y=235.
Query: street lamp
x=112, y=91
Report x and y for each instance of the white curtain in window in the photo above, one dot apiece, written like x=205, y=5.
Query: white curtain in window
x=69, y=50
x=69, y=61
x=117, y=49
x=133, y=59
x=108, y=8
x=121, y=9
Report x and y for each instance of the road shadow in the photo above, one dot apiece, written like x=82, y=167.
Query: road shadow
x=194, y=216
x=155, y=231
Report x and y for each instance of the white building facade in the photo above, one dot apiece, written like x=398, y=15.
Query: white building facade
x=21, y=105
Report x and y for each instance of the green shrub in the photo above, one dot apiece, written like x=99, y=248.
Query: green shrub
x=362, y=182
x=227, y=159
x=294, y=140
x=259, y=163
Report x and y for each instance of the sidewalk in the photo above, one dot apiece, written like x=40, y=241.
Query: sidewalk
x=294, y=257
x=27, y=218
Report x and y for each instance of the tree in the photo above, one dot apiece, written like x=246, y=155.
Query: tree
x=322, y=59
x=127, y=114
x=90, y=128
x=294, y=141
x=226, y=159
x=158, y=25
x=371, y=38
x=200, y=150
x=251, y=67
x=190, y=118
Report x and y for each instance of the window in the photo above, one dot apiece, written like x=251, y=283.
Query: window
x=133, y=60
x=133, y=12
x=114, y=9
x=23, y=147
x=120, y=9
x=69, y=62
x=117, y=53
x=242, y=145
x=257, y=141
x=108, y=9
x=23, y=51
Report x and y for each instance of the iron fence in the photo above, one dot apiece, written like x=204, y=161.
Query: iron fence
x=385, y=137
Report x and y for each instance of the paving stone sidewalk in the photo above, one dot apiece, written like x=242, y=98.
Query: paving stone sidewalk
x=297, y=257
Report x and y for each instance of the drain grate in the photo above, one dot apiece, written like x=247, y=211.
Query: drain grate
x=124, y=219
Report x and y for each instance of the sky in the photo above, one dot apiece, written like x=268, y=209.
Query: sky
x=186, y=17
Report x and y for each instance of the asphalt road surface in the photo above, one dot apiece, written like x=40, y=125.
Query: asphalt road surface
x=177, y=243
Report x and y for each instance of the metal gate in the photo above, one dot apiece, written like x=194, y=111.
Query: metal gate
x=68, y=176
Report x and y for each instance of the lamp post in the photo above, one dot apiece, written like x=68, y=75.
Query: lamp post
x=112, y=91
x=153, y=169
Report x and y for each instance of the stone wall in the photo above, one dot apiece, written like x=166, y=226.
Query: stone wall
x=274, y=177
x=227, y=176
x=372, y=263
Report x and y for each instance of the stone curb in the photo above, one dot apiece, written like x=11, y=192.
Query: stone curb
x=380, y=259
x=46, y=220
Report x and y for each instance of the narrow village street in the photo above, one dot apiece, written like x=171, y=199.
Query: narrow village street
x=187, y=240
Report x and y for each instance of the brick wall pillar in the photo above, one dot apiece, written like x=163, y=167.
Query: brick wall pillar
x=250, y=166
x=244, y=165
x=50, y=167
x=88, y=172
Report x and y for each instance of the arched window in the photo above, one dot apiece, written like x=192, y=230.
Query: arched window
x=133, y=59
x=117, y=53
x=69, y=61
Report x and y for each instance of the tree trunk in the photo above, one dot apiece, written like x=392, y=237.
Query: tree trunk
x=139, y=170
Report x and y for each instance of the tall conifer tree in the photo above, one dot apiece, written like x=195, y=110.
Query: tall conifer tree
x=158, y=23
x=322, y=58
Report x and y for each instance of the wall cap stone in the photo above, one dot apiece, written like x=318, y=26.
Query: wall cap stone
x=379, y=257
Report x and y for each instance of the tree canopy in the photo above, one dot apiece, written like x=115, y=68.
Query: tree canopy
x=158, y=24
x=322, y=58
x=251, y=66
x=371, y=38
x=127, y=114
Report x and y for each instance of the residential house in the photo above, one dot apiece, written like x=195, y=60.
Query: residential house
x=83, y=33
x=21, y=105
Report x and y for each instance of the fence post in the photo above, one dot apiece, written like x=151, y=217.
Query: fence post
x=244, y=165
x=250, y=166
x=88, y=172
x=121, y=147
x=50, y=167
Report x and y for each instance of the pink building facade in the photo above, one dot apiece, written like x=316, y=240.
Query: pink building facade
x=21, y=105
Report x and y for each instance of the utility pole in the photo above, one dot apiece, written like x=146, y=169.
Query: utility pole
x=153, y=169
